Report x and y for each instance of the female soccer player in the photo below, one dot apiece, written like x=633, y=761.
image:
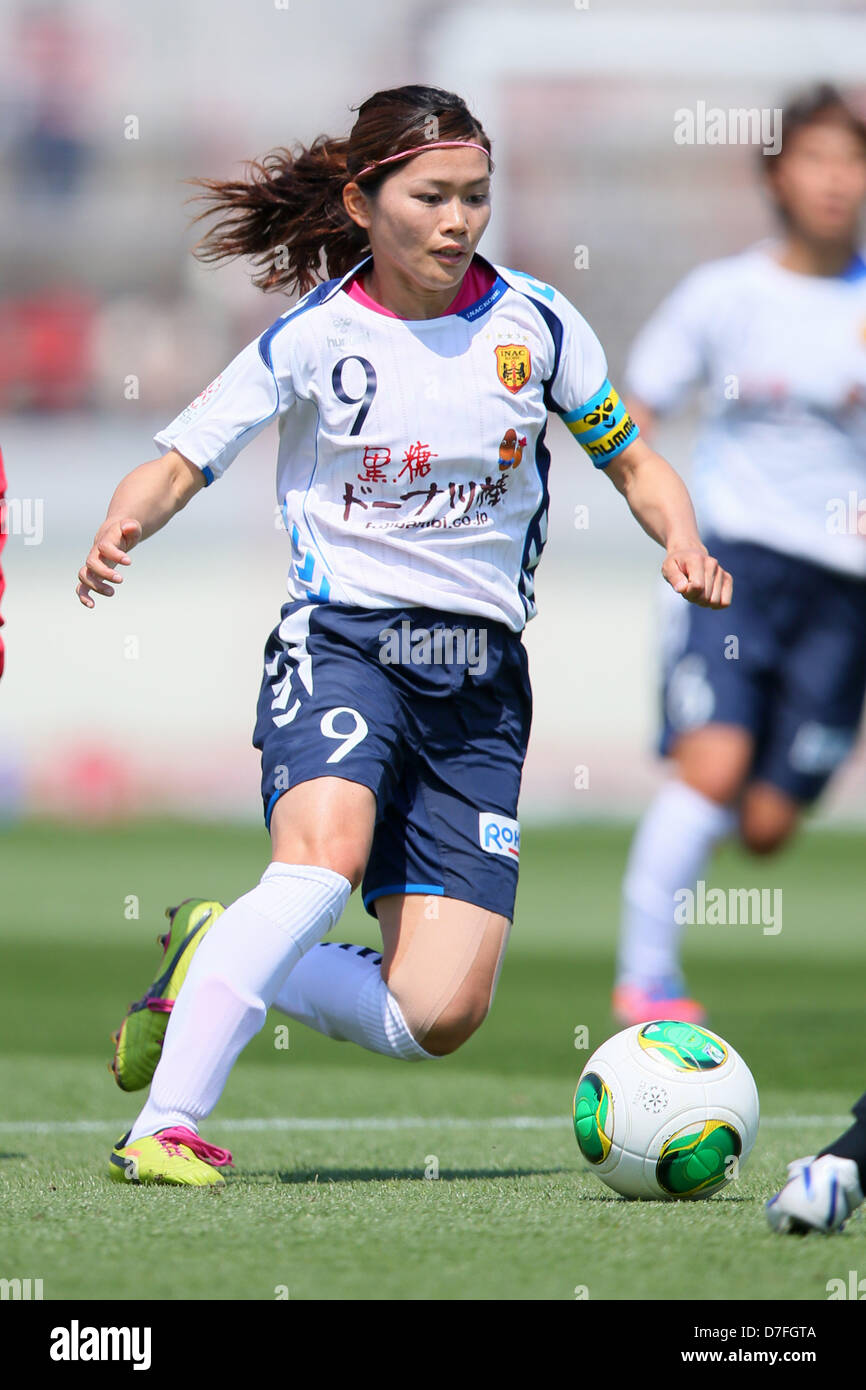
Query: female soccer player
x=760, y=712
x=412, y=391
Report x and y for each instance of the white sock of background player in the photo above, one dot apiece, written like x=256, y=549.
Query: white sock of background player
x=670, y=849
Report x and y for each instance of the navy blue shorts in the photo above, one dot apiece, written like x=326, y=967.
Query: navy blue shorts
x=787, y=661
x=429, y=710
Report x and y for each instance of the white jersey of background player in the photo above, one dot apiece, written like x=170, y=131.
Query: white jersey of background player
x=782, y=359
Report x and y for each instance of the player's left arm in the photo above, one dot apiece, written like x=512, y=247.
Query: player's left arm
x=659, y=500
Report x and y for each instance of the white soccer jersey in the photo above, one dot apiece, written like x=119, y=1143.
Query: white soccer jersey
x=781, y=457
x=412, y=467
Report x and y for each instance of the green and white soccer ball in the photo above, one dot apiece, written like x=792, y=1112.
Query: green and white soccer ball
x=665, y=1110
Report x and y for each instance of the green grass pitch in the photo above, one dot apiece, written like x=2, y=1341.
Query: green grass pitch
x=329, y=1198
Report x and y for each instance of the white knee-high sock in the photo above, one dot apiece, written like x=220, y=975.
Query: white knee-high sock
x=671, y=847
x=339, y=991
x=233, y=979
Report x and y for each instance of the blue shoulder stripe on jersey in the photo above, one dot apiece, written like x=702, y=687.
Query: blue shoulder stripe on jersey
x=308, y=302
x=855, y=270
x=546, y=291
x=554, y=324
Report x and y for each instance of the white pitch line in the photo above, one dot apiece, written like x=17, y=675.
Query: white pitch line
x=387, y=1122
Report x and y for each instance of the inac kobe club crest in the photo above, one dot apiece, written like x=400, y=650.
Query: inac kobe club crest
x=513, y=366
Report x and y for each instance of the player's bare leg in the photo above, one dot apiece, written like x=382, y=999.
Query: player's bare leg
x=441, y=961
x=327, y=821
x=422, y=996
x=715, y=761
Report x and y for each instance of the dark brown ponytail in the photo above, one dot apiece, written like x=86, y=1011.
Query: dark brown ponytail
x=288, y=216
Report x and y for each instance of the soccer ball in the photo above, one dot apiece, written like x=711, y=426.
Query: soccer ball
x=665, y=1110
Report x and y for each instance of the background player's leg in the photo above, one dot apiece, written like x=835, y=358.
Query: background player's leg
x=424, y=996
x=327, y=821
x=674, y=840
x=326, y=827
x=768, y=817
x=817, y=709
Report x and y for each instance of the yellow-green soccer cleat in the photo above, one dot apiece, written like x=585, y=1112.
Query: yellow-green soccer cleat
x=138, y=1041
x=176, y=1156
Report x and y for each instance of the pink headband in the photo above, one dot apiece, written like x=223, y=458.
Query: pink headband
x=420, y=149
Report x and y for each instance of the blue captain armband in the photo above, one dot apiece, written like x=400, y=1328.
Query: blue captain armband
x=602, y=426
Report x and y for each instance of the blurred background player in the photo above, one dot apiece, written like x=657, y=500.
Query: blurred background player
x=759, y=712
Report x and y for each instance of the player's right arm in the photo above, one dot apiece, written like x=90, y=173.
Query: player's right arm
x=143, y=502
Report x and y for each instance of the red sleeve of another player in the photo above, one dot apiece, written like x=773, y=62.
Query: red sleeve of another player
x=2, y=543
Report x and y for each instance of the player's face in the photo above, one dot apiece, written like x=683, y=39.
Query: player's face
x=821, y=181
x=429, y=215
